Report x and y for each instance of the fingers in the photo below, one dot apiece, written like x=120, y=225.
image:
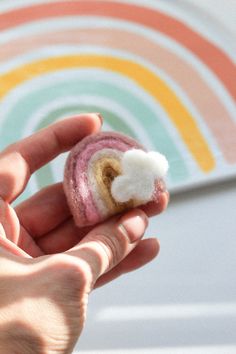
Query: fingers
x=62, y=238
x=67, y=235
x=105, y=246
x=21, y=159
x=28, y=244
x=11, y=247
x=144, y=253
x=9, y=221
x=153, y=208
x=49, y=205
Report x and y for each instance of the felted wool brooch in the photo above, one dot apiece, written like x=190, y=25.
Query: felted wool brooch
x=107, y=173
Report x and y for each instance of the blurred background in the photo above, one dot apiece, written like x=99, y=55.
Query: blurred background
x=162, y=71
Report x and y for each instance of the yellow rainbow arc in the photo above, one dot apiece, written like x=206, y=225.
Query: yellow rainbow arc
x=154, y=85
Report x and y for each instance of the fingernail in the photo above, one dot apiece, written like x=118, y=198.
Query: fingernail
x=100, y=117
x=133, y=225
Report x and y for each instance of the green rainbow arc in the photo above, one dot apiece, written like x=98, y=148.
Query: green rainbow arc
x=152, y=125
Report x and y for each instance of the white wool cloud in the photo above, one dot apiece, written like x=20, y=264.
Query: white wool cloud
x=140, y=170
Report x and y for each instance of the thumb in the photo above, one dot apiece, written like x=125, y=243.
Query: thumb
x=107, y=244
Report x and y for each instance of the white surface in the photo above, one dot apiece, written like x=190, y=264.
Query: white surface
x=163, y=312
x=182, y=350
x=194, y=275
x=225, y=12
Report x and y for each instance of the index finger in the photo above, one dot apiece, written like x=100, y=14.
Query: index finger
x=19, y=160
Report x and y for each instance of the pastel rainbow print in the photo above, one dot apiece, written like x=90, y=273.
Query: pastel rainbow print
x=155, y=71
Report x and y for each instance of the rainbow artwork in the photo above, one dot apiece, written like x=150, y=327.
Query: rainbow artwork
x=160, y=71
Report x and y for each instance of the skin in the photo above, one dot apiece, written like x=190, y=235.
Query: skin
x=48, y=267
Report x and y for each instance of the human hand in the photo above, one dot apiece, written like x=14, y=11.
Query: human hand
x=48, y=266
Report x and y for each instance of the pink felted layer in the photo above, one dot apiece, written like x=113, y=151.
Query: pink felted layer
x=91, y=211
x=76, y=185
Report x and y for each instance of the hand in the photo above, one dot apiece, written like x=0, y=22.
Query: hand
x=48, y=266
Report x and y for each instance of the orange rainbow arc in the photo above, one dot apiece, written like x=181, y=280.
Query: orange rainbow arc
x=210, y=54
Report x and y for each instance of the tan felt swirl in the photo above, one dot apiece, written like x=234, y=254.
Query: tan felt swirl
x=105, y=170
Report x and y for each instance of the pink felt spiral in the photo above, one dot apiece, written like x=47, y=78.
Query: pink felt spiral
x=90, y=170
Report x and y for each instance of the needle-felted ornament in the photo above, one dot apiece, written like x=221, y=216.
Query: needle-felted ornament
x=107, y=173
